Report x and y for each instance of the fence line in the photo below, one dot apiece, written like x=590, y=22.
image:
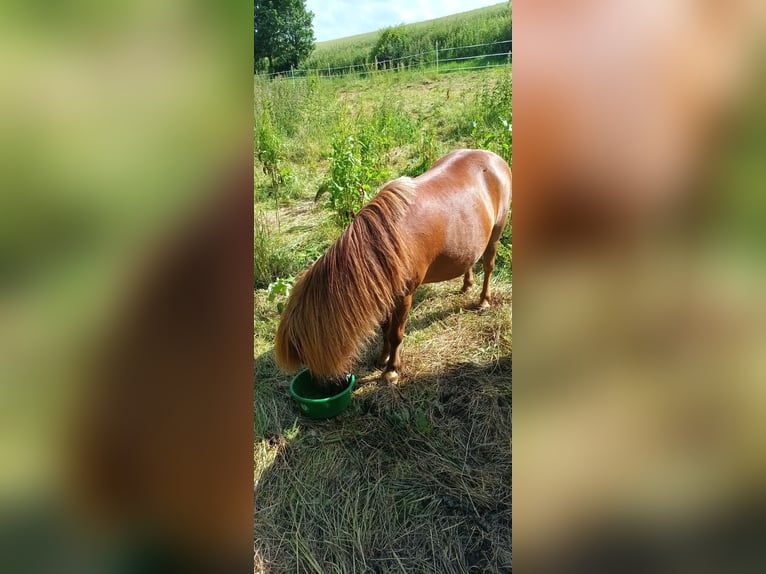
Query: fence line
x=474, y=57
x=477, y=45
x=391, y=64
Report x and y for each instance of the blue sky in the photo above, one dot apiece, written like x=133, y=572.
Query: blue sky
x=339, y=18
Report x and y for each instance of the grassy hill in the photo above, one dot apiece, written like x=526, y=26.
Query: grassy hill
x=480, y=26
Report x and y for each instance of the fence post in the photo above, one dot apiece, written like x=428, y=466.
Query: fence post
x=292, y=73
x=437, y=55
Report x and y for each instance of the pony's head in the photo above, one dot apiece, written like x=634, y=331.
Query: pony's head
x=314, y=331
x=337, y=304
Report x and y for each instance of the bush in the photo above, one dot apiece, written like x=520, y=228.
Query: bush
x=393, y=43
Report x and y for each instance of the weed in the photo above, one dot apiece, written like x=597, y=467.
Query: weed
x=356, y=160
x=270, y=152
x=280, y=289
x=352, y=167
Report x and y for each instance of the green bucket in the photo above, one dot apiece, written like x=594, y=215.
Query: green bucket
x=309, y=397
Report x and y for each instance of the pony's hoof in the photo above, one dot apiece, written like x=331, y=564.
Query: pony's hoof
x=483, y=304
x=391, y=377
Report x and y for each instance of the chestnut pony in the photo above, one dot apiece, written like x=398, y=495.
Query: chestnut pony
x=416, y=230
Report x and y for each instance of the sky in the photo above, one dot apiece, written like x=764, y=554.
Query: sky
x=338, y=18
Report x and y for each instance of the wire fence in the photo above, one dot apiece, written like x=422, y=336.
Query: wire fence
x=430, y=59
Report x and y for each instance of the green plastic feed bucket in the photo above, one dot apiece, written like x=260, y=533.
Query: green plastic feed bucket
x=313, y=402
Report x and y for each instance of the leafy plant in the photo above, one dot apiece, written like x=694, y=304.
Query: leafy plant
x=392, y=125
x=357, y=164
x=354, y=167
x=280, y=289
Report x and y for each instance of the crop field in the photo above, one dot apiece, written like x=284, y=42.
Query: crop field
x=480, y=26
x=415, y=478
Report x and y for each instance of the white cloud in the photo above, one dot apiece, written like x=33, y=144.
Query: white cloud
x=339, y=18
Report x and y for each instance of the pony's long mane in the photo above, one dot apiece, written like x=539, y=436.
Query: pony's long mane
x=337, y=304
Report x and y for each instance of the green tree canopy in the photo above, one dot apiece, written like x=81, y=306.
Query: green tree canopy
x=284, y=34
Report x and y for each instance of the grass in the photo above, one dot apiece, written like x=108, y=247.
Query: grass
x=411, y=479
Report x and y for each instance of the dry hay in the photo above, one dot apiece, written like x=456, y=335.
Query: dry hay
x=411, y=479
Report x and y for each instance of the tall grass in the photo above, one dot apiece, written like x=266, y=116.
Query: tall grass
x=294, y=122
x=492, y=127
x=281, y=99
x=270, y=260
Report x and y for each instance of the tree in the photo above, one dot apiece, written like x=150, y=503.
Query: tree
x=284, y=33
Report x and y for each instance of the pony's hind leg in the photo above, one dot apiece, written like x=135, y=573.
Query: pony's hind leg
x=396, y=335
x=467, y=281
x=382, y=359
x=489, y=266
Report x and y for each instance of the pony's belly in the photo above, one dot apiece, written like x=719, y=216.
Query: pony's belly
x=444, y=269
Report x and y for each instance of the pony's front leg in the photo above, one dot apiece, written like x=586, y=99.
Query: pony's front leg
x=385, y=352
x=395, y=337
